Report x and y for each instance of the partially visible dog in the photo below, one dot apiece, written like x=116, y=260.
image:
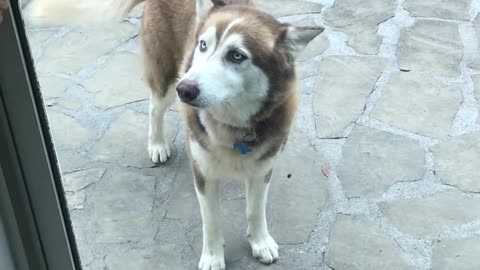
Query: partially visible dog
x=238, y=91
x=3, y=7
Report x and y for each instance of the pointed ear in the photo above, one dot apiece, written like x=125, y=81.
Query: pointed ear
x=294, y=39
x=204, y=7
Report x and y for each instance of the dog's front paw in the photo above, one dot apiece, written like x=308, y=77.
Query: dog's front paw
x=264, y=249
x=158, y=152
x=211, y=262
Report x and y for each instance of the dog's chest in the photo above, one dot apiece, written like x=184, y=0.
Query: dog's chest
x=221, y=161
x=222, y=158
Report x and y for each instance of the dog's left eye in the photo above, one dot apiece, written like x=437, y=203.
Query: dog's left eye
x=236, y=57
x=203, y=46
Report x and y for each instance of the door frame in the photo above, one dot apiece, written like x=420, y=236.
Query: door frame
x=32, y=200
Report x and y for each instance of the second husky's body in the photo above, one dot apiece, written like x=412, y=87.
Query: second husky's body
x=238, y=91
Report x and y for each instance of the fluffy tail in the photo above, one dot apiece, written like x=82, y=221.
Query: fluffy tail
x=56, y=12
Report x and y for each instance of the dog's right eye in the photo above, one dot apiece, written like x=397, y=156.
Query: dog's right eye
x=202, y=46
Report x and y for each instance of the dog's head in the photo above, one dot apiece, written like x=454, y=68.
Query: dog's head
x=243, y=58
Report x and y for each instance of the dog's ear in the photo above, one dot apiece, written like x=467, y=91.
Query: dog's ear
x=204, y=7
x=219, y=3
x=237, y=2
x=293, y=39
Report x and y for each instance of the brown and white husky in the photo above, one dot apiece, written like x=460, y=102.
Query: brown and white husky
x=233, y=68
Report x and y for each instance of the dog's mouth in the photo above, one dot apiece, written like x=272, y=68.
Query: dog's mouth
x=192, y=103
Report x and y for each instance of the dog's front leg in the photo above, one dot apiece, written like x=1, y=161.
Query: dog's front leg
x=209, y=196
x=264, y=248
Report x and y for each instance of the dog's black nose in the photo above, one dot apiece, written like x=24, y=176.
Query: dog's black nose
x=187, y=90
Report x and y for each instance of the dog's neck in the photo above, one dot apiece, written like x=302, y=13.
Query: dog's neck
x=236, y=114
x=225, y=133
x=229, y=120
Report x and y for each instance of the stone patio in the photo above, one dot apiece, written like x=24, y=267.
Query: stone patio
x=389, y=111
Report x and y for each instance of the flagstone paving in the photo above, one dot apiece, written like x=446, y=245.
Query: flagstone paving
x=381, y=170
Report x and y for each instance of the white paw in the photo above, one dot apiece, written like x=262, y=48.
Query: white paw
x=264, y=249
x=211, y=262
x=158, y=152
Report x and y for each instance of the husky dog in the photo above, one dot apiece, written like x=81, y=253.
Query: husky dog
x=233, y=68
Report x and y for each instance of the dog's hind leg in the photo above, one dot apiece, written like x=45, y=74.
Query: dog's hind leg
x=264, y=248
x=160, y=73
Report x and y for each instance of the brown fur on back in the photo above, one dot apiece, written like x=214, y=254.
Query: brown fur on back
x=167, y=27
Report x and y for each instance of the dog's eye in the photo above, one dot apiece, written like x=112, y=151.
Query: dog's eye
x=236, y=57
x=203, y=46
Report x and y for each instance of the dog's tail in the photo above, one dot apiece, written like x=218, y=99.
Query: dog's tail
x=56, y=12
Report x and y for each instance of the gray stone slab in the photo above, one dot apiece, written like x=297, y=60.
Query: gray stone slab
x=84, y=249
x=433, y=47
x=293, y=208
x=433, y=214
x=282, y=8
x=77, y=200
x=359, y=20
x=80, y=180
x=36, y=38
x=457, y=162
x=52, y=87
x=357, y=243
x=122, y=209
x=458, y=254
x=74, y=184
x=72, y=160
x=24, y=2
x=130, y=128
x=445, y=9
x=374, y=160
x=72, y=103
x=474, y=63
x=476, y=84
x=83, y=46
x=308, y=69
x=160, y=256
x=120, y=81
x=477, y=27
x=340, y=100
x=67, y=132
x=137, y=11
x=430, y=113
x=183, y=203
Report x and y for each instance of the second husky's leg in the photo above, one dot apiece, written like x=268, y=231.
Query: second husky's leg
x=161, y=97
x=264, y=248
x=158, y=148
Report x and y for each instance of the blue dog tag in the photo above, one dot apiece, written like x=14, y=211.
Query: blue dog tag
x=242, y=147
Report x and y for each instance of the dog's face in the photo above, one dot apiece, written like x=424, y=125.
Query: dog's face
x=241, y=55
x=222, y=65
